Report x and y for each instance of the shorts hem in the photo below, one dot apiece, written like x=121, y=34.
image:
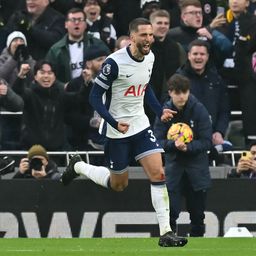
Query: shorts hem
x=149, y=152
x=118, y=171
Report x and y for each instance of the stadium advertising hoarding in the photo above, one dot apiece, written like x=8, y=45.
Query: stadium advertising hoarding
x=47, y=209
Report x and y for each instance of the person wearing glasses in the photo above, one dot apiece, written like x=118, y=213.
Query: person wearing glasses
x=246, y=167
x=41, y=24
x=191, y=28
x=67, y=55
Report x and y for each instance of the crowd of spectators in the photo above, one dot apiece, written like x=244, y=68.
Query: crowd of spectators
x=52, y=50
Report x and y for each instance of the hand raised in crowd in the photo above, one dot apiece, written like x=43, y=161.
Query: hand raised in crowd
x=203, y=32
x=218, y=21
x=167, y=114
x=24, y=69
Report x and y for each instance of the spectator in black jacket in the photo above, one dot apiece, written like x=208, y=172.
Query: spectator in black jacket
x=9, y=100
x=186, y=163
x=169, y=56
x=192, y=28
x=209, y=9
x=41, y=24
x=45, y=103
x=209, y=88
x=82, y=119
x=238, y=68
x=37, y=165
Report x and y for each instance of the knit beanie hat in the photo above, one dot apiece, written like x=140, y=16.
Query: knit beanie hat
x=13, y=35
x=37, y=150
x=94, y=52
x=143, y=3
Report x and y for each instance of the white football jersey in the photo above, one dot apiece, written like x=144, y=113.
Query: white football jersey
x=125, y=80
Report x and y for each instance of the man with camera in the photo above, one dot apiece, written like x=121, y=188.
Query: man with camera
x=14, y=54
x=246, y=167
x=37, y=165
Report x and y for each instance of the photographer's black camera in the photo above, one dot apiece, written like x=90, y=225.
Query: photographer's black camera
x=36, y=164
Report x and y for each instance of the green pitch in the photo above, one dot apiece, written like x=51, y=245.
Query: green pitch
x=126, y=246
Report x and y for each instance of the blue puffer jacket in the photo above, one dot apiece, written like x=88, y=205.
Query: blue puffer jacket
x=194, y=162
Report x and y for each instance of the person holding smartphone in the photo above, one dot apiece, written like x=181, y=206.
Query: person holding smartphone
x=246, y=167
x=37, y=165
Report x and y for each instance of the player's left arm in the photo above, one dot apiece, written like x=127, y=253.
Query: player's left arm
x=150, y=98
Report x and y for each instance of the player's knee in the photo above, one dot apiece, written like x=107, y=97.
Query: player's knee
x=158, y=176
x=119, y=187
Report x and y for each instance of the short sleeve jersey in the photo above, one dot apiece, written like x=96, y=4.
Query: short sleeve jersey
x=125, y=79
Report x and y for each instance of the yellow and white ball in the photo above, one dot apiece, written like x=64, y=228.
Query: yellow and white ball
x=180, y=131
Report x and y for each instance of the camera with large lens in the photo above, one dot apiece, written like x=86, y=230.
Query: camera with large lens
x=36, y=164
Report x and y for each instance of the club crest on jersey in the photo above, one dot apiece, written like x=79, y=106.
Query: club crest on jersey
x=106, y=69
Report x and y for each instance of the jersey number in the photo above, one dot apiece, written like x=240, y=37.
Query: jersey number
x=152, y=136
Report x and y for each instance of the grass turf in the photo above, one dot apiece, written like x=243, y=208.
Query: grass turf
x=126, y=246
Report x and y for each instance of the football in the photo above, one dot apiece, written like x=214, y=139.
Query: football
x=180, y=131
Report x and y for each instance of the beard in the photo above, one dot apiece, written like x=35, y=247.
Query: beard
x=142, y=50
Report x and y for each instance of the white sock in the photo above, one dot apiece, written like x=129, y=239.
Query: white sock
x=160, y=201
x=99, y=174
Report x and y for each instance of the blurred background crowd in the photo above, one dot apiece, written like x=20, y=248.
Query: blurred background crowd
x=51, y=51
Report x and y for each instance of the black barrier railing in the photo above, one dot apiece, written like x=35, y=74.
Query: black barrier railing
x=233, y=155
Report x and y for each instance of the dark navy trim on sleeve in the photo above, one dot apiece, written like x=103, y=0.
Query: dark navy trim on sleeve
x=103, y=82
x=152, y=101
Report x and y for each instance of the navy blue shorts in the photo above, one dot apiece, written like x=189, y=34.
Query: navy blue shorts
x=120, y=152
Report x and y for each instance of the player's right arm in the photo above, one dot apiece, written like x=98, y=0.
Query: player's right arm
x=103, y=82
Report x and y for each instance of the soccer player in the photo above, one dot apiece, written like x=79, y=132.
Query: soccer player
x=124, y=80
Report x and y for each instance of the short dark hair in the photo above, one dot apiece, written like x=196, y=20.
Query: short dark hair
x=183, y=4
x=199, y=42
x=75, y=10
x=134, y=24
x=39, y=64
x=159, y=13
x=178, y=83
